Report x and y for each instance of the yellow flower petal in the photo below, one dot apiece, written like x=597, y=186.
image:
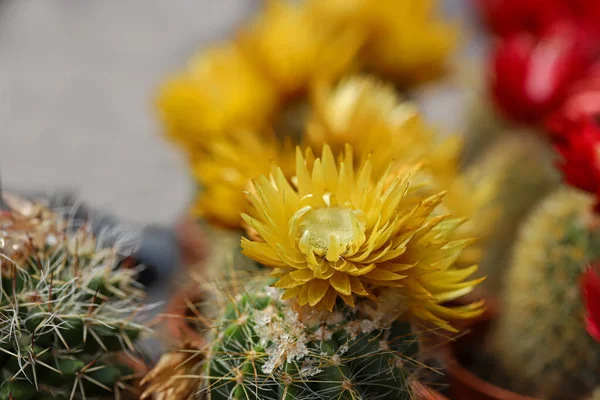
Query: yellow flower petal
x=302, y=275
x=316, y=291
x=329, y=300
x=287, y=282
x=357, y=286
x=341, y=283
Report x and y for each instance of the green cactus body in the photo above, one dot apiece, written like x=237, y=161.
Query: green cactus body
x=540, y=338
x=484, y=123
x=518, y=172
x=224, y=252
x=262, y=351
x=484, y=127
x=65, y=311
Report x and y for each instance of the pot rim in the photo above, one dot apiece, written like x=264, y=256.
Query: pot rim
x=176, y=322
x=191, y=240
x=458, y=373
x=425, y=392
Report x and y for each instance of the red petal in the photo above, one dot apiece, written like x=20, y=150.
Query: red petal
x=590, y=288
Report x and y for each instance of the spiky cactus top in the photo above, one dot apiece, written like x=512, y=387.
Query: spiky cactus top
x=263, y=347
x=540, y=337
x=65, y=310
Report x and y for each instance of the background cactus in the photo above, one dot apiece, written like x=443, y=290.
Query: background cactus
x=484, y=124
x=66, y=310
x=519, y=172
x=540, y=338
x=262, y=347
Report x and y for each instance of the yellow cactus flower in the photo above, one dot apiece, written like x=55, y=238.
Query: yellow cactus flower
x=370, y=116
x=406, y=42
x=340, y=232
x=409, y=43
x=225, y=169
x=294, y=46
x=219, y=91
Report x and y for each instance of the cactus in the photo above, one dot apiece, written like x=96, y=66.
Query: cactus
x=540, y=337
x=65, y=310
x=264, y=348
x=223, y=251
x=484, y=127
x=519, y=172
x=484, y=123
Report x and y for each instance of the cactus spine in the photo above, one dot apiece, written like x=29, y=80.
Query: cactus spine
x=65, y=310
x=540, y=337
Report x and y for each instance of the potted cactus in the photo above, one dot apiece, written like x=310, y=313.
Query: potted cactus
x=538, y=344
x=264, y=348
x=393, y=129
x=317, y=84
x=361, y=264
x=67, y=311
x=539, y=341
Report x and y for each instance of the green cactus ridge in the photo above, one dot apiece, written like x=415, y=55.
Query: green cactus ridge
x=540, y=336
x=519, y=173
x=261, y=350
x=65, y=311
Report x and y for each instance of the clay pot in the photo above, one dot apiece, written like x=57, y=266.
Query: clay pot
x=191, y=240
x=463, y=383
x=179, y=316
x=423, y=392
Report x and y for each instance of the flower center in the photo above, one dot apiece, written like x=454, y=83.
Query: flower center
x=322, y=228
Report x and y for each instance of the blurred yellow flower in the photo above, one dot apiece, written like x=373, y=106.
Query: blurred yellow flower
x=368, y=114
x=340, y=232
x=224, y=170
x=293, y=46
x=219, y=91
x=407, y=41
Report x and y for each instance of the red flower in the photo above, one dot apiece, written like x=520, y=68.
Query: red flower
x=508, y=17
x=575, y=133
x=531, y=77
x=590, y=289
x=578, y=142
x=584, y=96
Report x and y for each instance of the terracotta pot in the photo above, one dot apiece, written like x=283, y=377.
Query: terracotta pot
x=179, y=315
x=423, y=392
x=463, y=383
x=191, y=240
